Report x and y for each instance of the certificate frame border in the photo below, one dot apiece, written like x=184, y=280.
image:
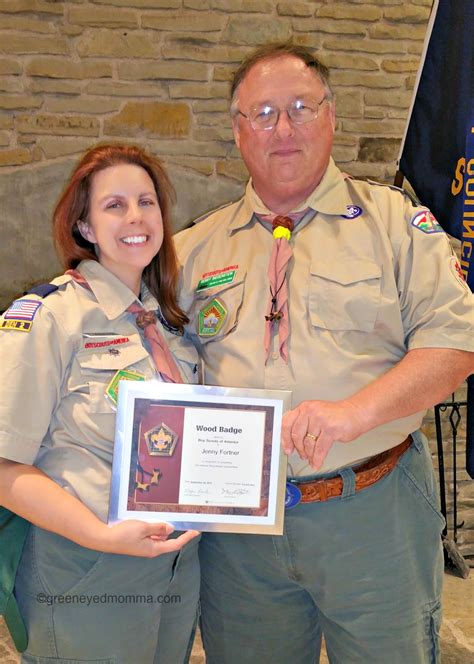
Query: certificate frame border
x=129, y=391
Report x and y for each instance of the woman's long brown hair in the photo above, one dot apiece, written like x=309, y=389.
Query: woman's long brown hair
x=161, y=275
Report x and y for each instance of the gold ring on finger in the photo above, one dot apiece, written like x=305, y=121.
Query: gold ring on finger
x=312, y=436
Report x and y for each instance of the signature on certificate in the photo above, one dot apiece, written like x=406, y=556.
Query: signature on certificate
x=198, y=491
x=235, y=492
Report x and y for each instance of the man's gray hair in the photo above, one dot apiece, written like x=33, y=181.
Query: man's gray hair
x=274, y=50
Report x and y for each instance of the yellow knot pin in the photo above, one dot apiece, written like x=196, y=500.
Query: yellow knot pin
x=280, y=232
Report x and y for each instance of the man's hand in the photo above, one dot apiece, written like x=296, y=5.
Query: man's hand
x=325, y=422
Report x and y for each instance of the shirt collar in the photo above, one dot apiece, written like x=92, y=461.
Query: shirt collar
x=244, y=213
x=330, y=197
x=113, y=296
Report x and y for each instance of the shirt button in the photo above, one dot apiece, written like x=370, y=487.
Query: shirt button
x=275, y=356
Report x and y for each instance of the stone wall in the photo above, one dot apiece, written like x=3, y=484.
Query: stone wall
x=156, y=72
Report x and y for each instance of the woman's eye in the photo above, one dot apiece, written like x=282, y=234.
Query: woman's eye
x=147, y=201
x=112, y=205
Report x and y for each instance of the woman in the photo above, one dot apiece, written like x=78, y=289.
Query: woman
x=59, y=352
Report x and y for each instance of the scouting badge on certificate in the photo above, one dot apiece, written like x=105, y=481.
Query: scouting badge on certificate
x=207, y=458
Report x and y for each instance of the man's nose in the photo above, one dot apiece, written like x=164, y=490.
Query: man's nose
x=284, y=126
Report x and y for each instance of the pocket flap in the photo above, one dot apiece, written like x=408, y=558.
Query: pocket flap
x=111, y=357
x=348, y=272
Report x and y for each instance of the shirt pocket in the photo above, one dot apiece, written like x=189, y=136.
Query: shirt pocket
x=99, y=365
x=227, y=302
x=344, y=296
x=186, y=357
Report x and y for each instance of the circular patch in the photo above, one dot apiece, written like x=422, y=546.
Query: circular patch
x=353, y=211
x=292, y=496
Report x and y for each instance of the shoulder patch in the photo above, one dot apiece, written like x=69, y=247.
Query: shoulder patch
x=19, y=316
x=18, y=325
x=42, y=290
x=426, y=222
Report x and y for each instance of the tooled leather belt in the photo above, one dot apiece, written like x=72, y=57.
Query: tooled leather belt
x=366, y=474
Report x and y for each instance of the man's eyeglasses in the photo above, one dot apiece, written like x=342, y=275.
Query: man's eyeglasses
x=300, y=111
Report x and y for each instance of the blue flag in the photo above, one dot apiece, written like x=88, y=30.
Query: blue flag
x=437, y=156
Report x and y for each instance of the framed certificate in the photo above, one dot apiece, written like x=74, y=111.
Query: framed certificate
x=200, y=457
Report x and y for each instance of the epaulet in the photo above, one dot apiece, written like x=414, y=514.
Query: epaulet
x=42, y=290
x=208, y=214
x=406, y=192
x=385, y=184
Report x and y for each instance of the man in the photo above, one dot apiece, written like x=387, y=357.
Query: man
x=371, y=326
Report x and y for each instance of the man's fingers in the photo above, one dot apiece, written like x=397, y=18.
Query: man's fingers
x=299, y=431
x=286, y=427
x=320, y=452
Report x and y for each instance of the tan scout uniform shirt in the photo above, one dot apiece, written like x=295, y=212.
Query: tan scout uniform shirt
x=54, y=413
x=363, y=290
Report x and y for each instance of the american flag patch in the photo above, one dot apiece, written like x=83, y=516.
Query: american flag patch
x=22, y=310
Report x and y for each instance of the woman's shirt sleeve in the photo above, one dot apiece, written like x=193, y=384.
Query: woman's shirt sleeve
x=35, y=351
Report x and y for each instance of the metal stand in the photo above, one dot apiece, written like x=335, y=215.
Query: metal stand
x=453, y=559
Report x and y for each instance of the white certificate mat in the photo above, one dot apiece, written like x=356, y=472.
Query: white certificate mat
x=200, y=457
x=222, y=457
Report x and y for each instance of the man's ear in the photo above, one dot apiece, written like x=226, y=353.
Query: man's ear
x=236, y=129
x=86, y=231
x=333, y=113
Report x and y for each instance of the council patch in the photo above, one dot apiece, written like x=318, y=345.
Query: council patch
x=426, y=222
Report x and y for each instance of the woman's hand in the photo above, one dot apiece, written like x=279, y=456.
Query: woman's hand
x=138, y=538
x=27, y=491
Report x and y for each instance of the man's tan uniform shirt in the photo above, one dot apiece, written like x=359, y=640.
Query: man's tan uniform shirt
x=54, y=412
x=371, y=278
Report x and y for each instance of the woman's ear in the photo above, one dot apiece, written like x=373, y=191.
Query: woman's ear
x=86, y=231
